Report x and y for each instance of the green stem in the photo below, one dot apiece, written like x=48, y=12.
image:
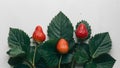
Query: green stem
x=28, y=63
x=60, y=61
x=72, y=65
x=33, y=62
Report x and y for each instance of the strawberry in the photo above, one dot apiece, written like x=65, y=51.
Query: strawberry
x=38, y=34
x=81, y=31
x=62, y=46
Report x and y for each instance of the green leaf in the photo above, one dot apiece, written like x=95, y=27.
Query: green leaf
x=38, y=52
x=16, y=51
x=104, y=61
x=30, y=54
x=21, y=66
x=60, y=27
x=67, y=58
x=39, y=60
x=81, y=55
x=71, y=44
x=15, y=60
x=51, y=55
x=49, y=52
x=66, y=65
x=90, y=65
x=88, y=27
x=18, y=41
x=99, y=44
x=41, y=63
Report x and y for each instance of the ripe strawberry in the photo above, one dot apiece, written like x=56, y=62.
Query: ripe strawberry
x=62, y=46
x=38, y=34
x=81, y=31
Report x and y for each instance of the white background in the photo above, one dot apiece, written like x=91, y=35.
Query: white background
x=102, y=15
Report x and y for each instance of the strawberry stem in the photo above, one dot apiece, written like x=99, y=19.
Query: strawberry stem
x=33, y=63
x=73, y=64
x=60, y=61
x=28, y=63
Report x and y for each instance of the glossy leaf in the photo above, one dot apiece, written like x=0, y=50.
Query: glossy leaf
x=16, y=51
x=71, y=44
x=19, y=42
x=90, y=65
x=21, y=66
x=99, y=44
x=41, y=63
x=15, y=60
x=81, y=55
x=52, y=56
x=104, y=61
x=66, y=65
x=60, y=27
x=30, y=54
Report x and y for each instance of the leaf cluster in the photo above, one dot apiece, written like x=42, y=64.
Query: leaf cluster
x=92, y=52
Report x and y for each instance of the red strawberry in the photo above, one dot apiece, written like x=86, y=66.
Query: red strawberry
x=38, y=34
x=62, y=46
x=81, y=31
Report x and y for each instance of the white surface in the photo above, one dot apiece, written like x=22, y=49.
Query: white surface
x=102, y=15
